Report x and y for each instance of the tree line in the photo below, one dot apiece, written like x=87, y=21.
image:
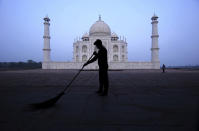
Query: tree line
x=29, y=64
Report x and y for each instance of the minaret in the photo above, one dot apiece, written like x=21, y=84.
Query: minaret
x=154, y=37
x=46, y=49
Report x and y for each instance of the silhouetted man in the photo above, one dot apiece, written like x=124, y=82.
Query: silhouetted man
x=103, y=67
x=163, y=68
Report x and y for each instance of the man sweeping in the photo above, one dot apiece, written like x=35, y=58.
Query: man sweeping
x=103, y=67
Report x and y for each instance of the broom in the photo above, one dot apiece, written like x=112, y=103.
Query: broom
x=52, y=101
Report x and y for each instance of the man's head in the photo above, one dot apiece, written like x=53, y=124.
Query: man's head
x=98, y=43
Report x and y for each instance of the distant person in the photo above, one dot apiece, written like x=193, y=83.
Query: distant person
x=103, y=67
x=163, y=68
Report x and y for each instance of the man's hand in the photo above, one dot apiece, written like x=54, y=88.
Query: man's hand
x=85, y=64
x=94, y=53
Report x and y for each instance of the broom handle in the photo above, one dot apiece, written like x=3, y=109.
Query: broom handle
x=75, y=76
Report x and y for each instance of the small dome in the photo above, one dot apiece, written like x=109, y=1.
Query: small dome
x=100, y=28
x=114, y=35
x=46, y=18
x=85, y=35
x=154, y=17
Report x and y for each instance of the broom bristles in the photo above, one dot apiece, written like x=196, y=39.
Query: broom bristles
x=47, y=103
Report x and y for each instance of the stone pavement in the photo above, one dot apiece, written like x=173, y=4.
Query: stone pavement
x=139, y=100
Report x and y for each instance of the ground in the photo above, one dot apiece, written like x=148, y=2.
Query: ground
x=139, y=100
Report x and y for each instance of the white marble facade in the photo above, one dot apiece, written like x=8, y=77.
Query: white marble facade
x=117, y=48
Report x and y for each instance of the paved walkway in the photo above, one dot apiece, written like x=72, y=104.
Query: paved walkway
x=139, y=100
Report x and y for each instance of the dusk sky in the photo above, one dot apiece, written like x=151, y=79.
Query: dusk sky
x=21, y=27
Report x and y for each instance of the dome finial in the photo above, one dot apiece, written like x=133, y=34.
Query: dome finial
x=99, y=17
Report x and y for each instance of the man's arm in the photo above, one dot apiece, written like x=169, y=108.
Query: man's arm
x=92, y=60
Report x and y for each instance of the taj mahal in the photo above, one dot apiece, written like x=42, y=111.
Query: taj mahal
x=116, y=46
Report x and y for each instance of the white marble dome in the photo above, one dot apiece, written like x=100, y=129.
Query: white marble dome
x=100, y=28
